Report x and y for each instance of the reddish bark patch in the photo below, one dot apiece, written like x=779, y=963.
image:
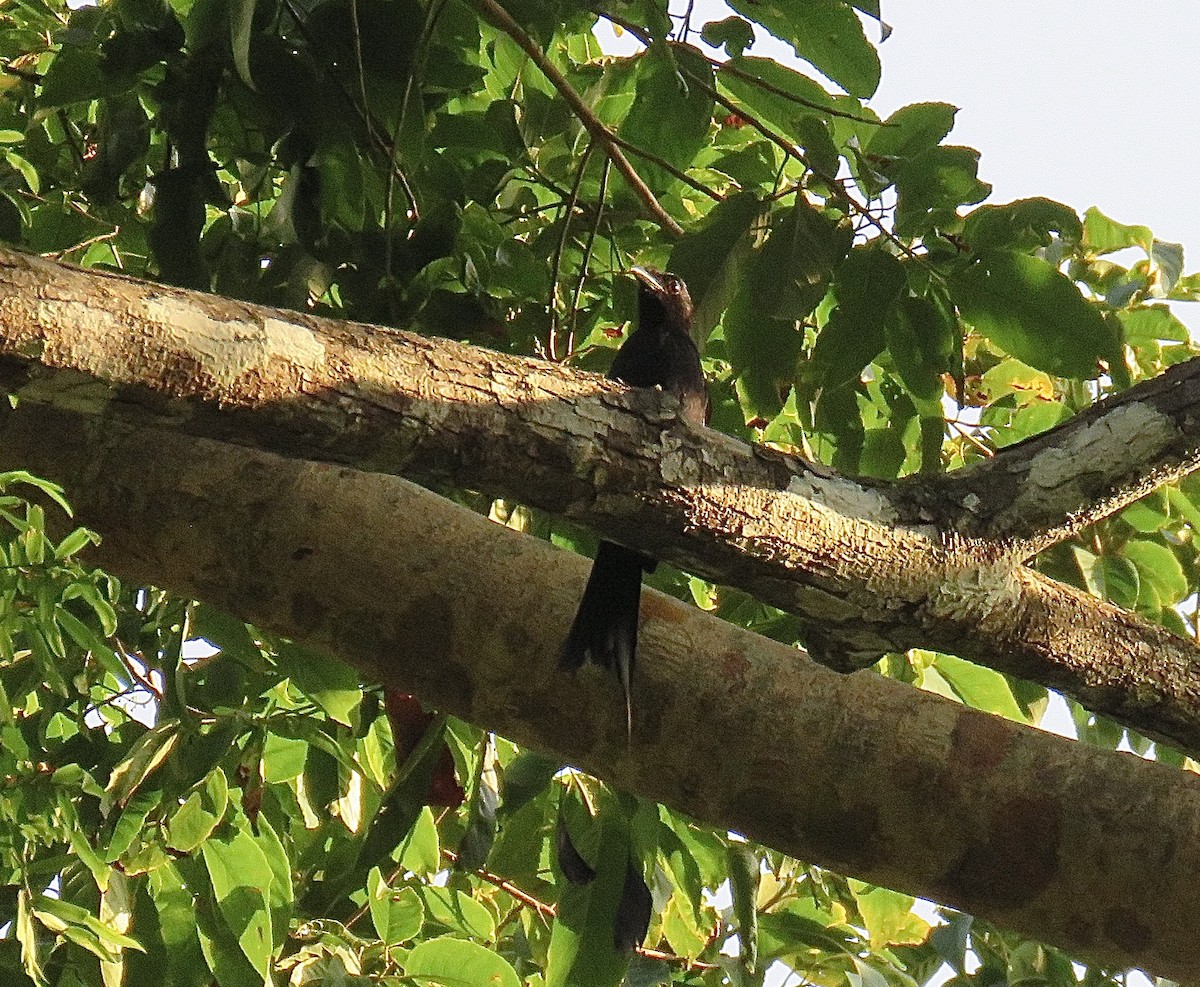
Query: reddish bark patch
x=664, y=608
x=981, y=743
x=1020, y=856
x=1124, y=928
x=735, y=668
x=834, y=833
x=844, y=833
x=308, y=612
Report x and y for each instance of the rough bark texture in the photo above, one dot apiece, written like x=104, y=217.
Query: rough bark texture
x=1046, y=488
x=1094, y=851
x=865, y=564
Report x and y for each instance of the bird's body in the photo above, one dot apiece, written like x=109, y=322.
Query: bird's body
x=660, y=352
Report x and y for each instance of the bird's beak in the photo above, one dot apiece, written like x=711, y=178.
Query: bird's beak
x=647, y=278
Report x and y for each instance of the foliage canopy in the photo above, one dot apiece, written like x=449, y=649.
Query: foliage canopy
x=245, y=811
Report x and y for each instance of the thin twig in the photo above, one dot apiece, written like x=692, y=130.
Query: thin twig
x=587, y=256
x=542, y=907
x=99, y=238
x=835, y=184
x=560, y=247
x=762, y=84
x=600, y=133
x=666, y=166
x=974, y=440
x=549, y=911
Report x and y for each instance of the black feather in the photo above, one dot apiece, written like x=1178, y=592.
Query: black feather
x=659, y=353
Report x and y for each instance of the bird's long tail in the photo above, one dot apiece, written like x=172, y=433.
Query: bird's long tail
x=606, y=623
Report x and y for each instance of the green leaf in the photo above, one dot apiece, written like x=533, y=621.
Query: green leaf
x=1023, y=225
x=241, y=880
x=173, y=906
x=281, y=898
x=882, y=454
x=1150, y=323
x=420, y=851
x=26, y=168
x=147, y=753
x=921, y=341
x=745, y=874
x=784, y=281
x=241, y=24
x=1102, y=235
x=979, y=687
x=1159, y=567
x=88, y=640
x=130, y=824
x=1030, y=310
x=1150, y=514
x=334, y=686
x=283, y=758
x=74, y=76
x=457, y=911
x=889, y=916
x=524, y=778
x=1183, y=506
x=105, y=614
x=62, y=916
x=202, y=811
x=711, y=257
x=866, y=287
x=1116, y=578
x=224, y=632
x=396, y=914
x=798, y=927
x=734, y=33
x=820, y=152
x=458, y=961
x=912, y=129
x=950, y=940
x=825, y=33
x=671, y=112
x=222, y=953
x=931, y=186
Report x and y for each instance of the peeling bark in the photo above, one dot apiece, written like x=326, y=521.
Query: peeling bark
x=872, y=567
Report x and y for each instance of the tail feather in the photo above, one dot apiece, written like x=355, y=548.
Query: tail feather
x=606, y=623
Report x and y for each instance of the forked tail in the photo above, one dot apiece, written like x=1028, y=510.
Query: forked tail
x=606, y=623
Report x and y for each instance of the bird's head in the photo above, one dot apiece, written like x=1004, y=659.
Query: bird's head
x=663, y=300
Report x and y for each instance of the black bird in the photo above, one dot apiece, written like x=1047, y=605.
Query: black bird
x=659, y=352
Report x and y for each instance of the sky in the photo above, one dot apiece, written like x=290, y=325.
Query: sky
x=1090, y=103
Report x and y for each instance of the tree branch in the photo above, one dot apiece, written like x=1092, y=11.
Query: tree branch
x=858, y=773
x=592, y=123
x=1046, y=489
x=865, y=564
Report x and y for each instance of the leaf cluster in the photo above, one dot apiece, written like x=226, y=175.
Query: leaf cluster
x=187, y=800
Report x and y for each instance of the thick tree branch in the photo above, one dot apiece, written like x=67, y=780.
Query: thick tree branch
x=1095, y=851
x=1047, y=488
x=863, y=564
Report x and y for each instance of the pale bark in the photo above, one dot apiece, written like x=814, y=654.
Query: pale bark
x=871, y=567
x=1094, y=851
